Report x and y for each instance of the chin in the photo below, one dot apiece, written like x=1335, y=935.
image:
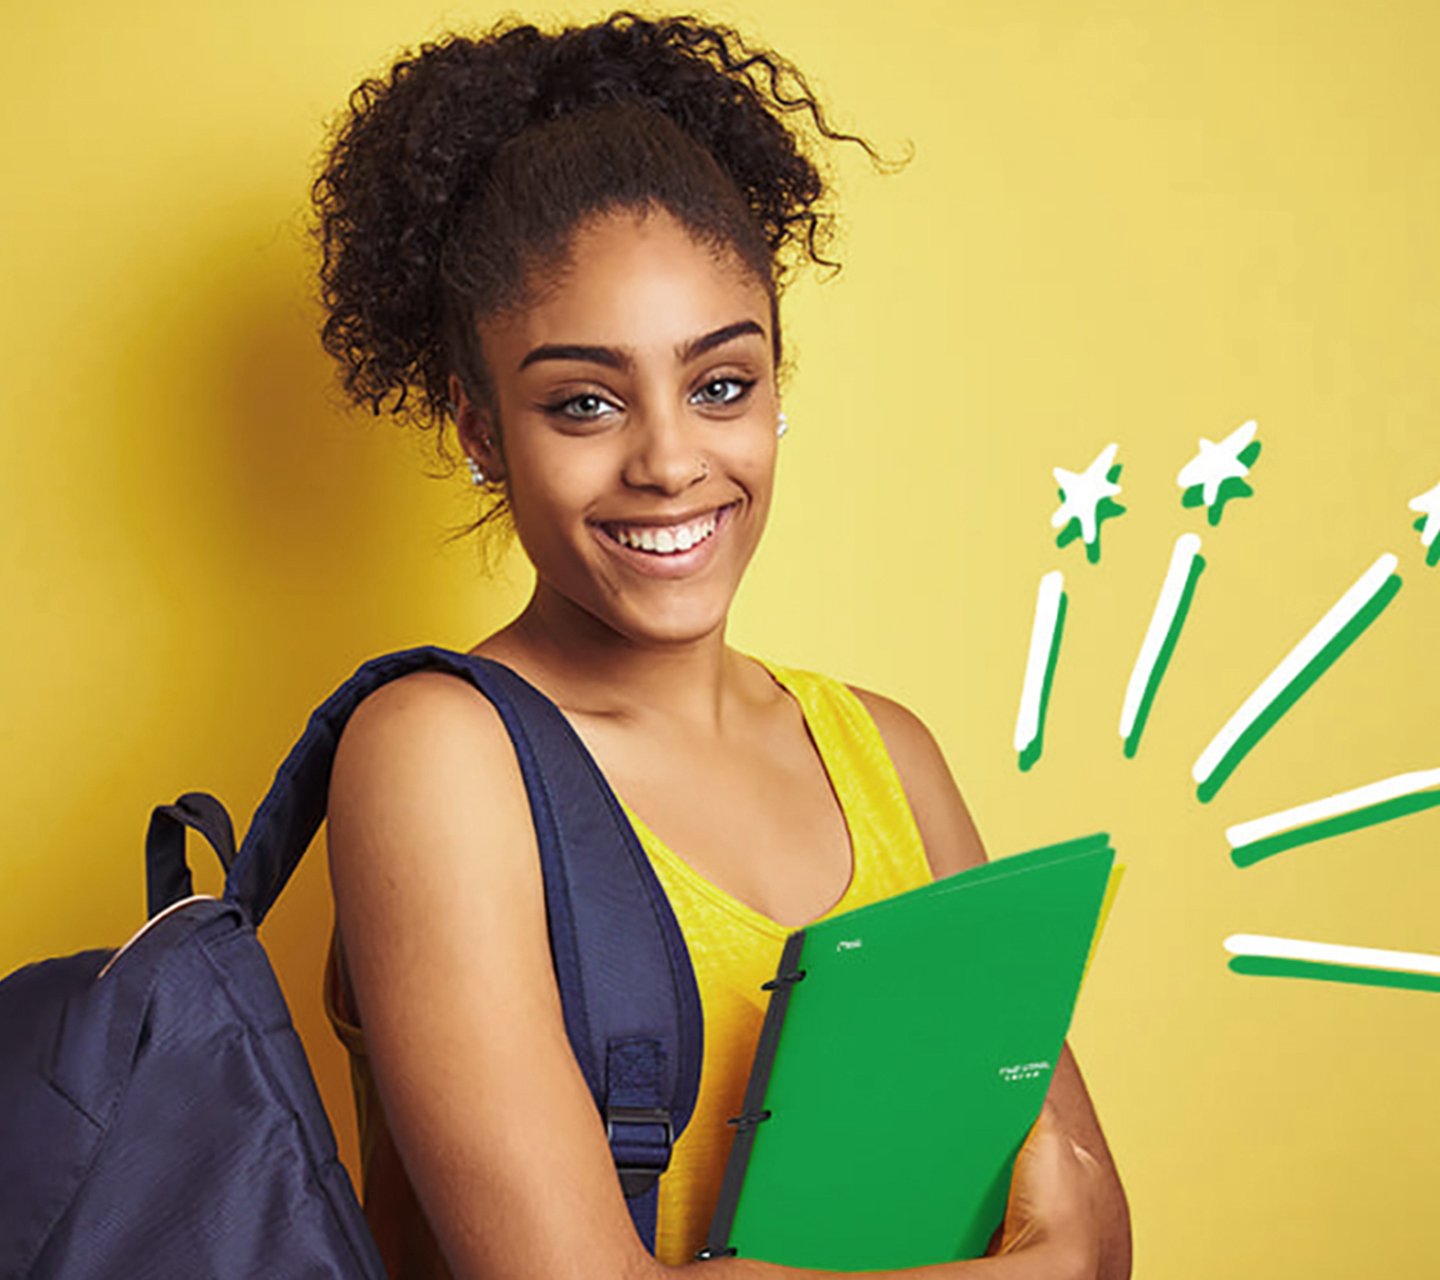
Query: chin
x=680, y=622
x=676, y=631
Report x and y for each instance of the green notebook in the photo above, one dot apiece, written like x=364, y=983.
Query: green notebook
x=905, y=1054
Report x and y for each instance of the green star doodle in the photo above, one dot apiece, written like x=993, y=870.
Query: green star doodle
x=1086, y=502
x=1429, y=523
x=1216, y=474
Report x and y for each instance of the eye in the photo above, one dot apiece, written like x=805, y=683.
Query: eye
x=586, y=407
x=724, y=391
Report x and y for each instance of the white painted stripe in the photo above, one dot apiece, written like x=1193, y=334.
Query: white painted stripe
x=1255, y=944
x=1402, y=784
x=1042, y=639
x=1365, y=588
x=1187, y=547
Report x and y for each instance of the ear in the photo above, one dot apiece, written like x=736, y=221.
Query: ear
x=475, y=426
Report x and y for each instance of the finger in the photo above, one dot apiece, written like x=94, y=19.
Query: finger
x=1047, y=1122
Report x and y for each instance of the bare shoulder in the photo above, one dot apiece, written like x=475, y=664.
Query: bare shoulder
x=426, y=807
x=904, y=732
x=951, y=841
x=425, y=714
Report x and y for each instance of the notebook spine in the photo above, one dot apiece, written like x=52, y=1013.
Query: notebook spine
x=780, y=987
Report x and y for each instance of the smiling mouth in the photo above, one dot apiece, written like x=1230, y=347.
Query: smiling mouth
x=667, y=539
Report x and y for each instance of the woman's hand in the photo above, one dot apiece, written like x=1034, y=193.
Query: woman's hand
x=1053, y=1196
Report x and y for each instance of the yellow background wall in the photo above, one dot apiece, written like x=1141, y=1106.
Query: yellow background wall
x=1124, y=221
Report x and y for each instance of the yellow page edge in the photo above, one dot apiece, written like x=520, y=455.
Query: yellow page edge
x=1117, y=872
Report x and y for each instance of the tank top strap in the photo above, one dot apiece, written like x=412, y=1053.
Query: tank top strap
x=889, y=856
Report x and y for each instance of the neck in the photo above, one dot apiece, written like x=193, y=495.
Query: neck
x=590, y=669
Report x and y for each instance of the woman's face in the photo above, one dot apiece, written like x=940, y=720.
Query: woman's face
x=637, y=411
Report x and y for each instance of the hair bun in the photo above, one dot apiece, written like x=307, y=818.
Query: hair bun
x=407, y=259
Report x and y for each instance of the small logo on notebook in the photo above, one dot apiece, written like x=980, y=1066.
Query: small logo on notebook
x=848, y=944
x=1023, y=1071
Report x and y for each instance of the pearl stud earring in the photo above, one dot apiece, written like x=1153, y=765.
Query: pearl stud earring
x=781, y=426
x=477, y=474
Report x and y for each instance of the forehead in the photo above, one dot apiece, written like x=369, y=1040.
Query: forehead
x=642, y=281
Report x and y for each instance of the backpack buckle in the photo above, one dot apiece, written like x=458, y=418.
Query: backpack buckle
x=640, y=1158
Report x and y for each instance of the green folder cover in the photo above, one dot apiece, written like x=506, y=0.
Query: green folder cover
x=905, y=1054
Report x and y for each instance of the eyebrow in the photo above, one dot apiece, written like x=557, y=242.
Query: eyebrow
x=620, y=358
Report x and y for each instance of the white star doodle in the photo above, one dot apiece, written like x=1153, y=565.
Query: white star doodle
x=1428, y=504
x=1083, y=492
x=1217, y=463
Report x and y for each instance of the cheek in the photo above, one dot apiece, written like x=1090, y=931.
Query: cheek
x=757, y=465
x=550, y=491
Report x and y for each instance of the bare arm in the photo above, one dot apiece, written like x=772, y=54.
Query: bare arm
x=952, y=844
x=440, y=902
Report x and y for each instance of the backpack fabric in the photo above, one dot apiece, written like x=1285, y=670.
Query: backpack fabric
x=158, y=1117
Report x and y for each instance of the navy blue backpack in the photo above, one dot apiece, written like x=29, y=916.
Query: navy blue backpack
x=158, y=1118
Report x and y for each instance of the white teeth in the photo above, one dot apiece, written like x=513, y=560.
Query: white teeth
x=665, y=541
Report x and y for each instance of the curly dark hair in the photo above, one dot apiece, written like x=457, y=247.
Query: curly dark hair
x=447, y=183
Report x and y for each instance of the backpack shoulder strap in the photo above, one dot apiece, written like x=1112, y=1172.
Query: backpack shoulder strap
x=632, y=1009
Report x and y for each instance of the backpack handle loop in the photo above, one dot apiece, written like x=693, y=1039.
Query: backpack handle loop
x=167, y=873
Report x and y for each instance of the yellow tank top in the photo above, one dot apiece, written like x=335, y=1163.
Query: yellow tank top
x=733, y=949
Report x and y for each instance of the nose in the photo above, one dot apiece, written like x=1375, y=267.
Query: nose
x=665, y=454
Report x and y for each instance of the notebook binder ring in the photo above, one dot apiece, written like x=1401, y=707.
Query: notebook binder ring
x=783, y=980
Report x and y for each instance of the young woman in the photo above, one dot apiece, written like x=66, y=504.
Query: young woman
x=573, y=245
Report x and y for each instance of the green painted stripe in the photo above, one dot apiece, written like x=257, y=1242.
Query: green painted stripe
x=1033, y=752
x=1298, y=686
x=1247, y=855
x=1167, y=649
x=1270, y=967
